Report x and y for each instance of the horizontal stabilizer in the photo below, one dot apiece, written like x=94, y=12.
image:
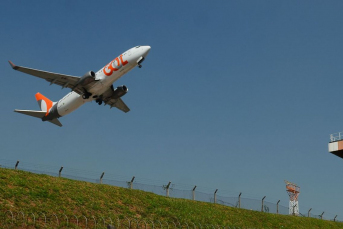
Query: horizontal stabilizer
x=37, y=114
x=56, y=122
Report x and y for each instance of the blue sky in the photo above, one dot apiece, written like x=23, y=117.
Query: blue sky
x=234, y=95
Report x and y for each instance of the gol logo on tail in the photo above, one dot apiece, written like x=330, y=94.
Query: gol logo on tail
x=114, y=65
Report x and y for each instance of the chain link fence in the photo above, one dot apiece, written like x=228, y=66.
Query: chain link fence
x=164, y=189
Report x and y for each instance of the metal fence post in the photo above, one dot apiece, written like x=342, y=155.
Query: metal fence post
x=16, y=165
x=59, y=172
x=167, y=189
x=321, y=216
x=193, y=192
x=102, y=175
x=308, y=214
x=131, y=182
x=262, y=203
x=277, y=207
x=215, y=196
x=239, y=200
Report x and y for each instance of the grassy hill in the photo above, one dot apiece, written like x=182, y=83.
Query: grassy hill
x=58, y=199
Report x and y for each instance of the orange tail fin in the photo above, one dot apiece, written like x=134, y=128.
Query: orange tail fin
x=44, y=103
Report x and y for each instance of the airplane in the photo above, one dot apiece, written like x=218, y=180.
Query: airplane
x=91, y=86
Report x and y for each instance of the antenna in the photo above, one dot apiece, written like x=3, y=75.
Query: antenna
x=293, y=192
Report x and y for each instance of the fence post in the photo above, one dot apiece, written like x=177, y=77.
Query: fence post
x=102, y=175
x=131, y=182
x=167, y=189
x=16, y=165
x=193, y=192
x=59, y=172
x=308, y=214
x=334, y=219
x=262, y=203
x=277, y=207
x=321, y=216
x=215, y=196
x=239, y=200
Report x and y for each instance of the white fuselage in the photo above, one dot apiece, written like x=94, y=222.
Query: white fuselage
x=104, y=79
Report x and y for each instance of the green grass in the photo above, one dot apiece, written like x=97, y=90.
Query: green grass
x=28, y=192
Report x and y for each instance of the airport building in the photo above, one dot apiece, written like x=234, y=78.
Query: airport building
x=336, y=144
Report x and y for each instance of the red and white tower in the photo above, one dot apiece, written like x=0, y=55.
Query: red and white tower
x=293, y=191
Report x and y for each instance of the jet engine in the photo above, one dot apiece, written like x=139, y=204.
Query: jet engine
x=86, y=78
x=119, y=92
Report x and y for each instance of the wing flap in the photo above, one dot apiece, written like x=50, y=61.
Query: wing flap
x=112, y=101
x=119, y=103
x=54, y=78
x=49, y=76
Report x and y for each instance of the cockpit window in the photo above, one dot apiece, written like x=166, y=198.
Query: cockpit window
x=138, y=46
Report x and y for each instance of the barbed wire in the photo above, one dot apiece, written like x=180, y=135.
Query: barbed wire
x=21, y=219
x=160, y=189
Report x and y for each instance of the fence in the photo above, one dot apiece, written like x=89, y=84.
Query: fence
x=163, y=189
x=336, y=137
x=19, y=219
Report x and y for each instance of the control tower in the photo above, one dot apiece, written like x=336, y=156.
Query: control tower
x=293, y=192
x=336, y=144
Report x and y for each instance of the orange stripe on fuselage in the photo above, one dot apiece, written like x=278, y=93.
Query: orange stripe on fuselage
x=48, y=102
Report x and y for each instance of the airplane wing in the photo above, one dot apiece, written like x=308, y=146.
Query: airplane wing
x=108, y=99
x=54, y=78
x=118, y=103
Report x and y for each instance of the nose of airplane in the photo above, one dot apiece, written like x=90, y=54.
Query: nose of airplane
x=146, y=50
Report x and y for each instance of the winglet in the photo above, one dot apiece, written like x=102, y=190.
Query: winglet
x=13, y=65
